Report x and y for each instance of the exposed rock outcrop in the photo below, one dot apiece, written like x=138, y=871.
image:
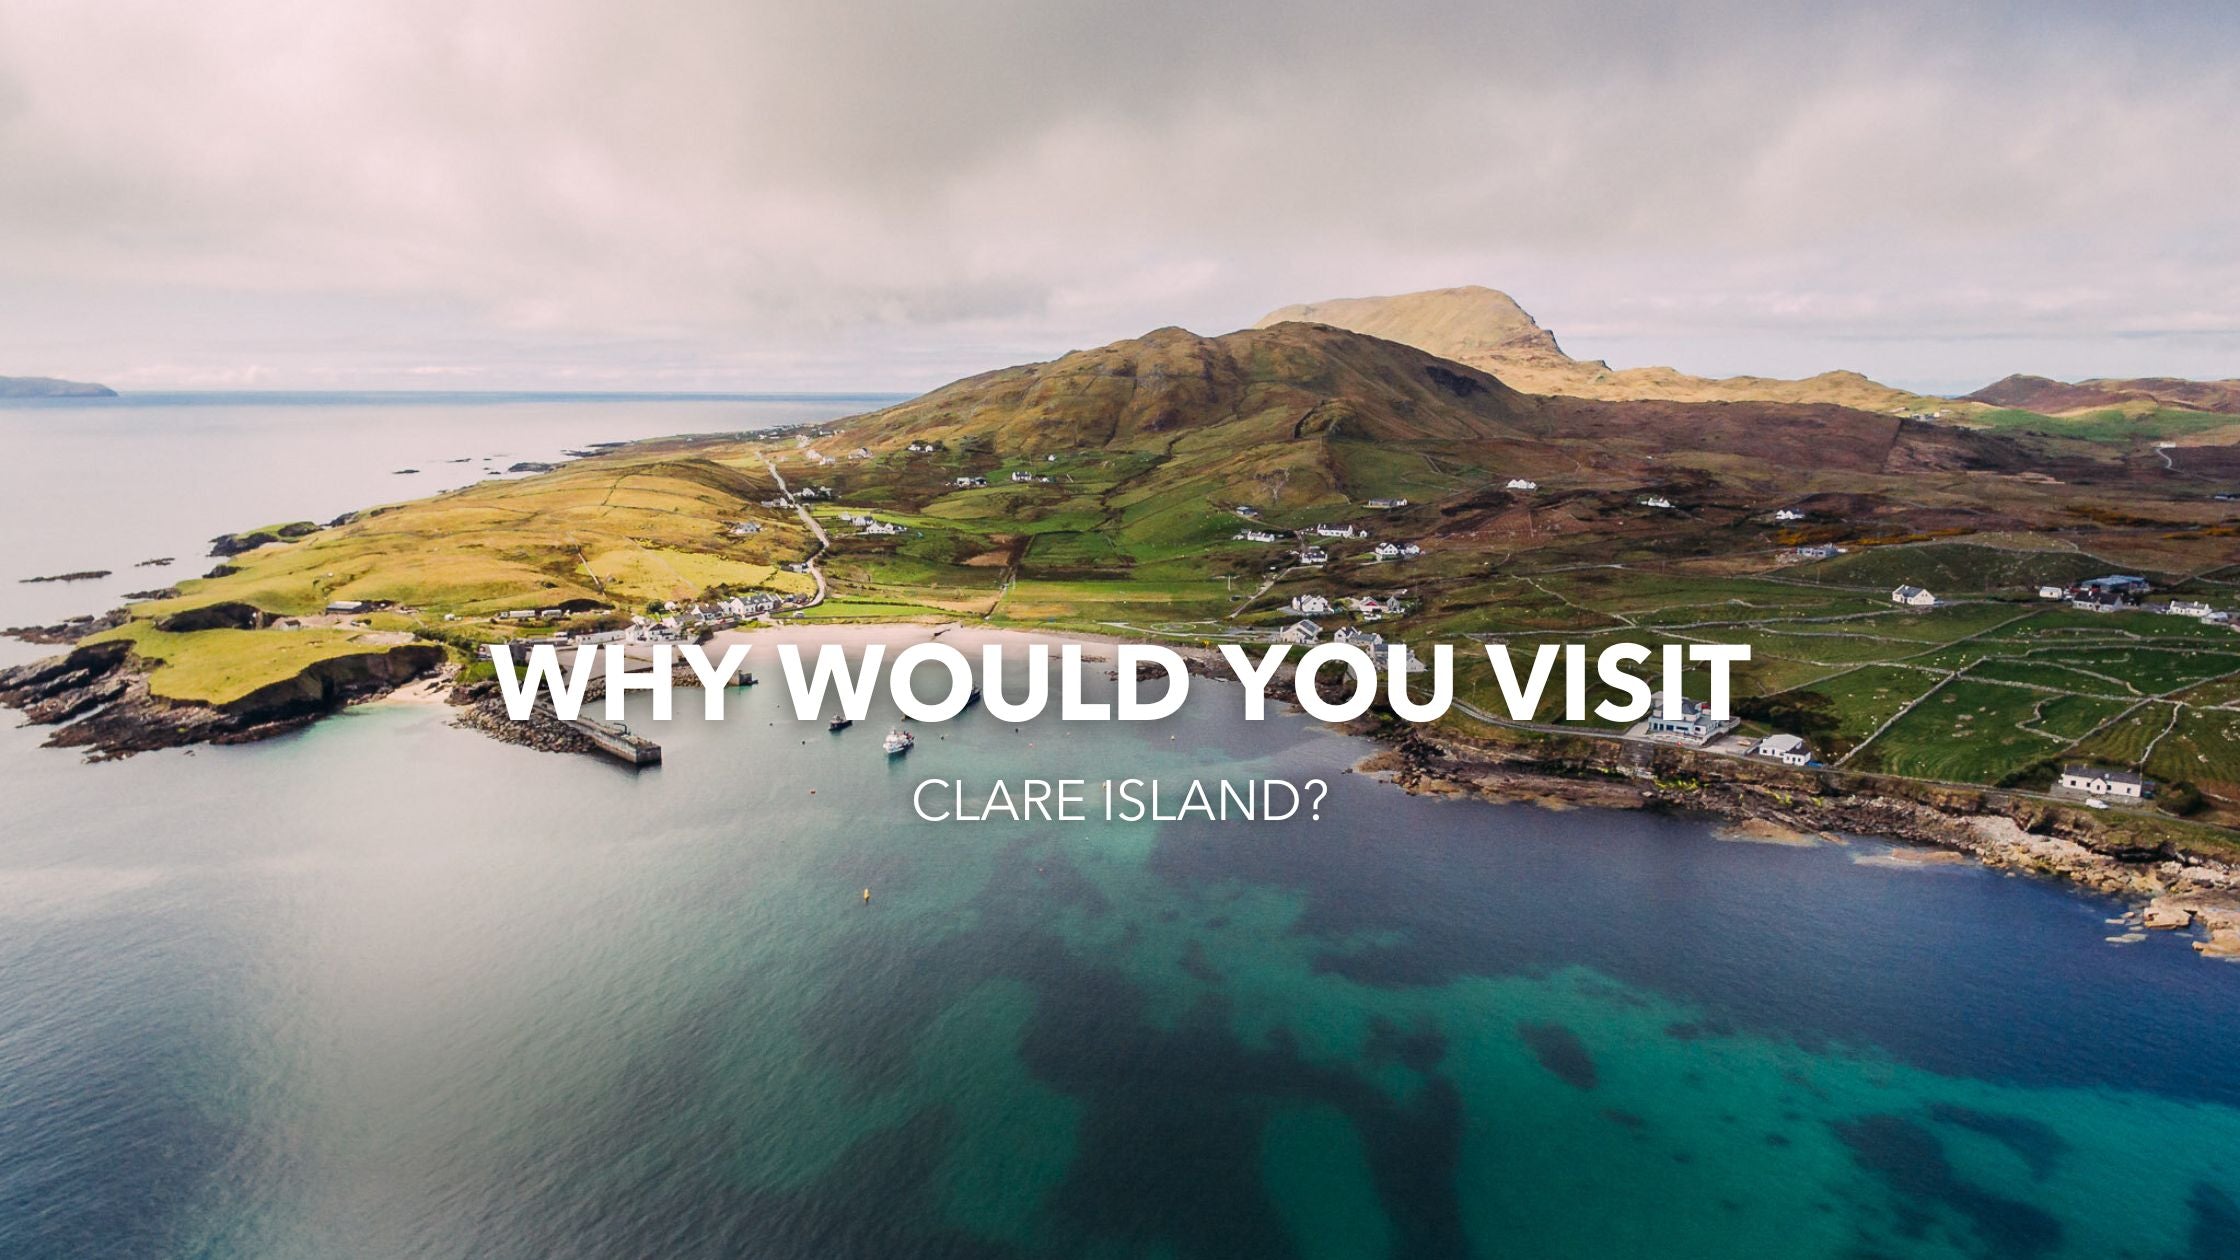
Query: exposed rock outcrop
x=250, y=540
x=97, y=698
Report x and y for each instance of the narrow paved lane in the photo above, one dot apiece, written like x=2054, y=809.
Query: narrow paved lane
x=823, y=543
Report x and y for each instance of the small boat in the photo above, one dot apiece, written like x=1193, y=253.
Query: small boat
x=745, y=679
x=898, y=742
x=840, y=722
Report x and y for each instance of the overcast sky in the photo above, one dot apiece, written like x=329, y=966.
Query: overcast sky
x=848, y=195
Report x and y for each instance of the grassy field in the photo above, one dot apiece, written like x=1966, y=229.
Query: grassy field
x=1969, y=732
x=218, y=667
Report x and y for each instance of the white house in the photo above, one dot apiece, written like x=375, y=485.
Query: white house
x=743, y=529
x=1372, y=608
x=1788, y=514
x=1359, y=638
x=882, y=528
x=1789, y=750
x=1656, y=501
x=1695, y=725
x=1396, y=551
x=1340, y=531
x=1313, y=555
x=2188, y=608
x=1258, y=536
x=1388, y=504
x=1520, y=483
x=1913, y=597
x=1317, y=605
x=2097, y=781
x=967, y=483
x=2053, y=592
x=1301, y=632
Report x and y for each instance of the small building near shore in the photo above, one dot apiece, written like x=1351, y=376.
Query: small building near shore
x=1789, y=750
x=2100, y=781
x=1695, y=725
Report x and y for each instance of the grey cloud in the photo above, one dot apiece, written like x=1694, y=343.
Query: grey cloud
x=856, y=194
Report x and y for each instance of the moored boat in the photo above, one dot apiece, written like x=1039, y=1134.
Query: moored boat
x=840, y=722
x=899, y=741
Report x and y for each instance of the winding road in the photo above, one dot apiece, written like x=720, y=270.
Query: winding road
x=823, y=543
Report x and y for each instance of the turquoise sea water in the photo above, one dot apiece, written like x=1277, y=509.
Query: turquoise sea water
x=388, y=989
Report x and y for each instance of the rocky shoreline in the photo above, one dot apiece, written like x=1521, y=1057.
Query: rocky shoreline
x=2170, y=890
x=97, y=698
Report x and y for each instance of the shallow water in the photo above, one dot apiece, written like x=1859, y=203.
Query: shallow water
x=386, y=988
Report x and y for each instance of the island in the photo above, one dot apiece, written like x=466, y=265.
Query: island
x=1973, y=624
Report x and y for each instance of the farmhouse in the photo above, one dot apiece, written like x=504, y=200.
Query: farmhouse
x=1301, y=632
x=1340, y=531
x=1789, y=750
x=2116, y=590
x=1358, y=638
x=1913, y=597
x=882, y=528
x=1312, y=604
x=1313, y=555
x=2187, y=608
x=2098, y=781
x=1396, y=551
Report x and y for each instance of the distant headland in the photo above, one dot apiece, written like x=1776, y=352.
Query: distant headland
x=50, y=387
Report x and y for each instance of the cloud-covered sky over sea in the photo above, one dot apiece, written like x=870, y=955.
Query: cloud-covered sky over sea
x=858, y=195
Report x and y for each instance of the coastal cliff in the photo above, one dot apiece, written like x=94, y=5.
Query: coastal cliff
x=97, y=697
